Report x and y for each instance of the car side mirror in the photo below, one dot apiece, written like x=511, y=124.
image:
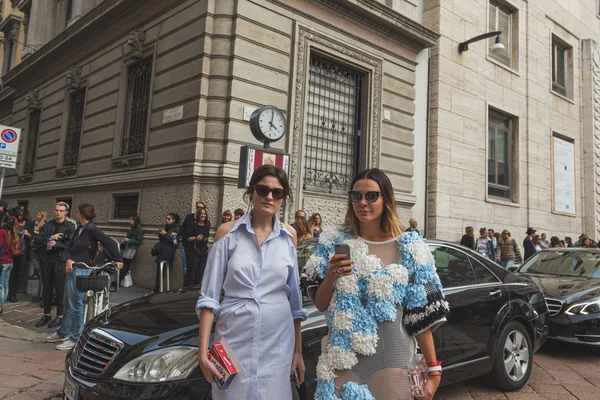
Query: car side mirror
x=513, y=268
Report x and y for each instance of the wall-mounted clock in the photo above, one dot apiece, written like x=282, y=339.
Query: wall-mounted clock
x=268, y=124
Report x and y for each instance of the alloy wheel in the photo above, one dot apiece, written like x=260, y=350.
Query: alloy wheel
x=516, y=355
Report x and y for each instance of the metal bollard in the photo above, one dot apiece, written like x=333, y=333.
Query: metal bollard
x=162, y=266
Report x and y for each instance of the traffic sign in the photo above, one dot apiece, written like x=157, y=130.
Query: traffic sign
x=9, y=146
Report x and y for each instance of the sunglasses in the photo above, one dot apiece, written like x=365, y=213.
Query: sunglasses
x=169, y=219
x=355, y=196
x=263, y=191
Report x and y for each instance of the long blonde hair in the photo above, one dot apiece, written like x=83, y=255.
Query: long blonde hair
x=390, y=222
x=508, y=239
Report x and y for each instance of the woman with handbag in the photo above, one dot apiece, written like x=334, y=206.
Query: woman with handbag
x=9, y=246
x=133, y=240
x=167, y=246
x=381, y=292
x=195, y=241
x=83, y=247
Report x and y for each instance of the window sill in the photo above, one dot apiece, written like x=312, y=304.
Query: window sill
x=562, y=97
x=506, y=67
x=131, y=160
x=501, y=202
x=564, y=214
x=66, y=172
x=118, y=221
x=25, y=178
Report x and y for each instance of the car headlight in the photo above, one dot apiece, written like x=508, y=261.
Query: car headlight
x=168, y=364
x=591, y=307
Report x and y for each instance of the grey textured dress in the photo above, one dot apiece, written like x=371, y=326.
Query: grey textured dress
x=385, y=371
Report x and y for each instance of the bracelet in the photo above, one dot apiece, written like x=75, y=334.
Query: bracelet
x=435, y=374
x=434, y=364
x=437, y=368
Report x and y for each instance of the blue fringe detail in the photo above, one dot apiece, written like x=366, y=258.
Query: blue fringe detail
x=325, y=390
x=354, y=391
x=341, y=339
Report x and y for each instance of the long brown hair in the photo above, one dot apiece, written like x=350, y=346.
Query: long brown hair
x=12, y=232
x=302, y=228
x=313, y=223
x=469, y=231
x=199, y=213
x=390, y=222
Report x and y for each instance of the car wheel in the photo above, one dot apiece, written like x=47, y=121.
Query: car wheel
x=513, y=358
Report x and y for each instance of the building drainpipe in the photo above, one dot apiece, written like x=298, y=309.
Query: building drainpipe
x=527, y=113
x=426, y=208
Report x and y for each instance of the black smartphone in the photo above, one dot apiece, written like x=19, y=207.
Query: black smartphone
x=294, y=378
x=343, y=249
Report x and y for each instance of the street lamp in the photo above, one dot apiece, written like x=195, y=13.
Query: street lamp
x=498, y=46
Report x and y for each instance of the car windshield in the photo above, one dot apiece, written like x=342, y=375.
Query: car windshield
x=564, y=263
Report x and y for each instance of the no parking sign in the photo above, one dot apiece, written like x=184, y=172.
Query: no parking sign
x=9, y=146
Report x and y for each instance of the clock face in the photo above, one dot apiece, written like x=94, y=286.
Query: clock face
x=268, y=124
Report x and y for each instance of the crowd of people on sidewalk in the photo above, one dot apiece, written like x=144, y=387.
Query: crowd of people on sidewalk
x=502, y=248
x=53, y=247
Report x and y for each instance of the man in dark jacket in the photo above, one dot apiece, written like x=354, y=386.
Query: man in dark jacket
x=187, y=222
x=528, y=244
x=51, y=242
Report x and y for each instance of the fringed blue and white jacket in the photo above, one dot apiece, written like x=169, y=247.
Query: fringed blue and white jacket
x=369, y=296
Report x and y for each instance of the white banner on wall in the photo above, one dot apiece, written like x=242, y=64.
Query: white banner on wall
x=563, y=172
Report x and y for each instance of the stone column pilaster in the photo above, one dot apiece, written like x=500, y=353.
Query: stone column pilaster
x=41, y=25
x=590, y=57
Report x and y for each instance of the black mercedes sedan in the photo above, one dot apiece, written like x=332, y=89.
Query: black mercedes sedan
x=146, y=349
x=570, y=280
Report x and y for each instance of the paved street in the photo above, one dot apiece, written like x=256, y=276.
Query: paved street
x=31, y=369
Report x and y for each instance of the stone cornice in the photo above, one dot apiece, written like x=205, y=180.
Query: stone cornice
x=9, y=21
x=376, y=17
x=96, y=23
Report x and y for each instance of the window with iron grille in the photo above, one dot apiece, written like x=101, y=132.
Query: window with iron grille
x=501, y=19
x=136, y=109
x=500, y=167
x=332, y=150
x=125, y=205
x=76, y=108
x=32, y=139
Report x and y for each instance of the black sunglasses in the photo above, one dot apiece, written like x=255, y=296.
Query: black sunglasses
x=355, y=196
x=263, y=191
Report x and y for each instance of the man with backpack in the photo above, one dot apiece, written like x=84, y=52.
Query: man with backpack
x=51, y=242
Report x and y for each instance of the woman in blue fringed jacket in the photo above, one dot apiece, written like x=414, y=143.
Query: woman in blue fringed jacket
x=379, y=300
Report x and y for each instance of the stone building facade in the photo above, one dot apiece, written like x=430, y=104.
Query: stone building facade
x=513, y=135
x=142, y=105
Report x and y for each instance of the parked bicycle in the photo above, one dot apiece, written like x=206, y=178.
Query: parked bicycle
x=96, y=287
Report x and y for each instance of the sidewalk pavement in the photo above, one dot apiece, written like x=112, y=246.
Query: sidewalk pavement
x=31, y=369
x=18, y=319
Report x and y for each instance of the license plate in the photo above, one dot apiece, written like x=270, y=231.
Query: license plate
x=70, y=390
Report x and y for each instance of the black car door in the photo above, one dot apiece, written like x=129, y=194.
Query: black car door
x=475, y=296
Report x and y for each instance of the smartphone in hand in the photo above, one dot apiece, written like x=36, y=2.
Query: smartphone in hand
x=343, y=249
x=294, y=378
